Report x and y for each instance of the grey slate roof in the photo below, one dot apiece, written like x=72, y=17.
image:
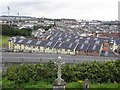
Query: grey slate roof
x=94, y=47
x=82, y=47
x=118, y=41
x=65, y=45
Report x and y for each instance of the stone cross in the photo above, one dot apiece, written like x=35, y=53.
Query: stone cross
x=59, y=63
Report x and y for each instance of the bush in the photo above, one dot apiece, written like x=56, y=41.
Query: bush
x=27, y=72
x=106, y=85
x=74, y=85
x=12, y=31
x=7, y=83
x=97, y=72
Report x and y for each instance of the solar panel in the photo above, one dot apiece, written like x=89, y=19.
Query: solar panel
x=60, y=35
x=95, y=38
x=97, y=42
x=76, y=36
x=51, y=38
x=20, y=41
x=68, y=40
x=56, y=34
x=29, y=41
x=38, y=42
x=66, y=35
x=77, y=40
x=94, y=47
x=88, y=38
x=82, y=46
x=59, y=38
x=86, y=41
x=49, y=43
x=60, y=44
x=81, y=37
x=70, y=45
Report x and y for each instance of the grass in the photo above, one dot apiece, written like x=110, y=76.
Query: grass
x=42, y=84
x=105, y=85
x=74, y=85
x=32, y=84
x=4, y=41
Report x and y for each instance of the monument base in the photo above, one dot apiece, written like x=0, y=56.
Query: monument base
x=59, y=84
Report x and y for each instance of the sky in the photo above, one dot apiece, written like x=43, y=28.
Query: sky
x=70, y=9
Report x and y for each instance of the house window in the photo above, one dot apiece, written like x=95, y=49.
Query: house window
x=71, y=50
x=50, y=48
x=44, y=47
x=33, y=46
x=65, y=49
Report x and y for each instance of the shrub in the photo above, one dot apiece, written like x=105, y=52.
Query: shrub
x=7, y=83
x=74, y=85
x=98, y=72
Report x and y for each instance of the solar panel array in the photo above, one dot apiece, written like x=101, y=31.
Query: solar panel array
x=61, y=40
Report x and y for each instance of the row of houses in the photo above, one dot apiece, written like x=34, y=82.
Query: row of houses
x=109, y=43
x=57, y=47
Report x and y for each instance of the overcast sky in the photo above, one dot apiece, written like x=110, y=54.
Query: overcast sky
x=78, y=9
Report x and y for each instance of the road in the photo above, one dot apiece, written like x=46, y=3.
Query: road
x=40, y=57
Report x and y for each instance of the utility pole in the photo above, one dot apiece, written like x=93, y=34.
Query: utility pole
x=8, y=15
x=18, y=18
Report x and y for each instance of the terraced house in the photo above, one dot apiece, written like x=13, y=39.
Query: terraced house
x=63, y=44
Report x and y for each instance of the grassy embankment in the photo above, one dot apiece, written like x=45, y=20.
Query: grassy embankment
x=4, y=41
x=42, y=84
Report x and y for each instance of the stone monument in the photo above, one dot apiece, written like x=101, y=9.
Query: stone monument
x=86, y=84
x=59, y=83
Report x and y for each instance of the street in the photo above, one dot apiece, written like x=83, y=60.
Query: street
x=40, y=57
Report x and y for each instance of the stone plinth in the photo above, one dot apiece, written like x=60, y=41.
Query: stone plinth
x=59, y=84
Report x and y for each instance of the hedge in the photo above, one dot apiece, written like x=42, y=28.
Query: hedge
x=98, y=72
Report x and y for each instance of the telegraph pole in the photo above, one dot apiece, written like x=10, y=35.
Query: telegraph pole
x=8, y=15
x=18, y=17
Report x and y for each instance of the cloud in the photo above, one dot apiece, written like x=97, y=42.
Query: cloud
x=80, y=9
